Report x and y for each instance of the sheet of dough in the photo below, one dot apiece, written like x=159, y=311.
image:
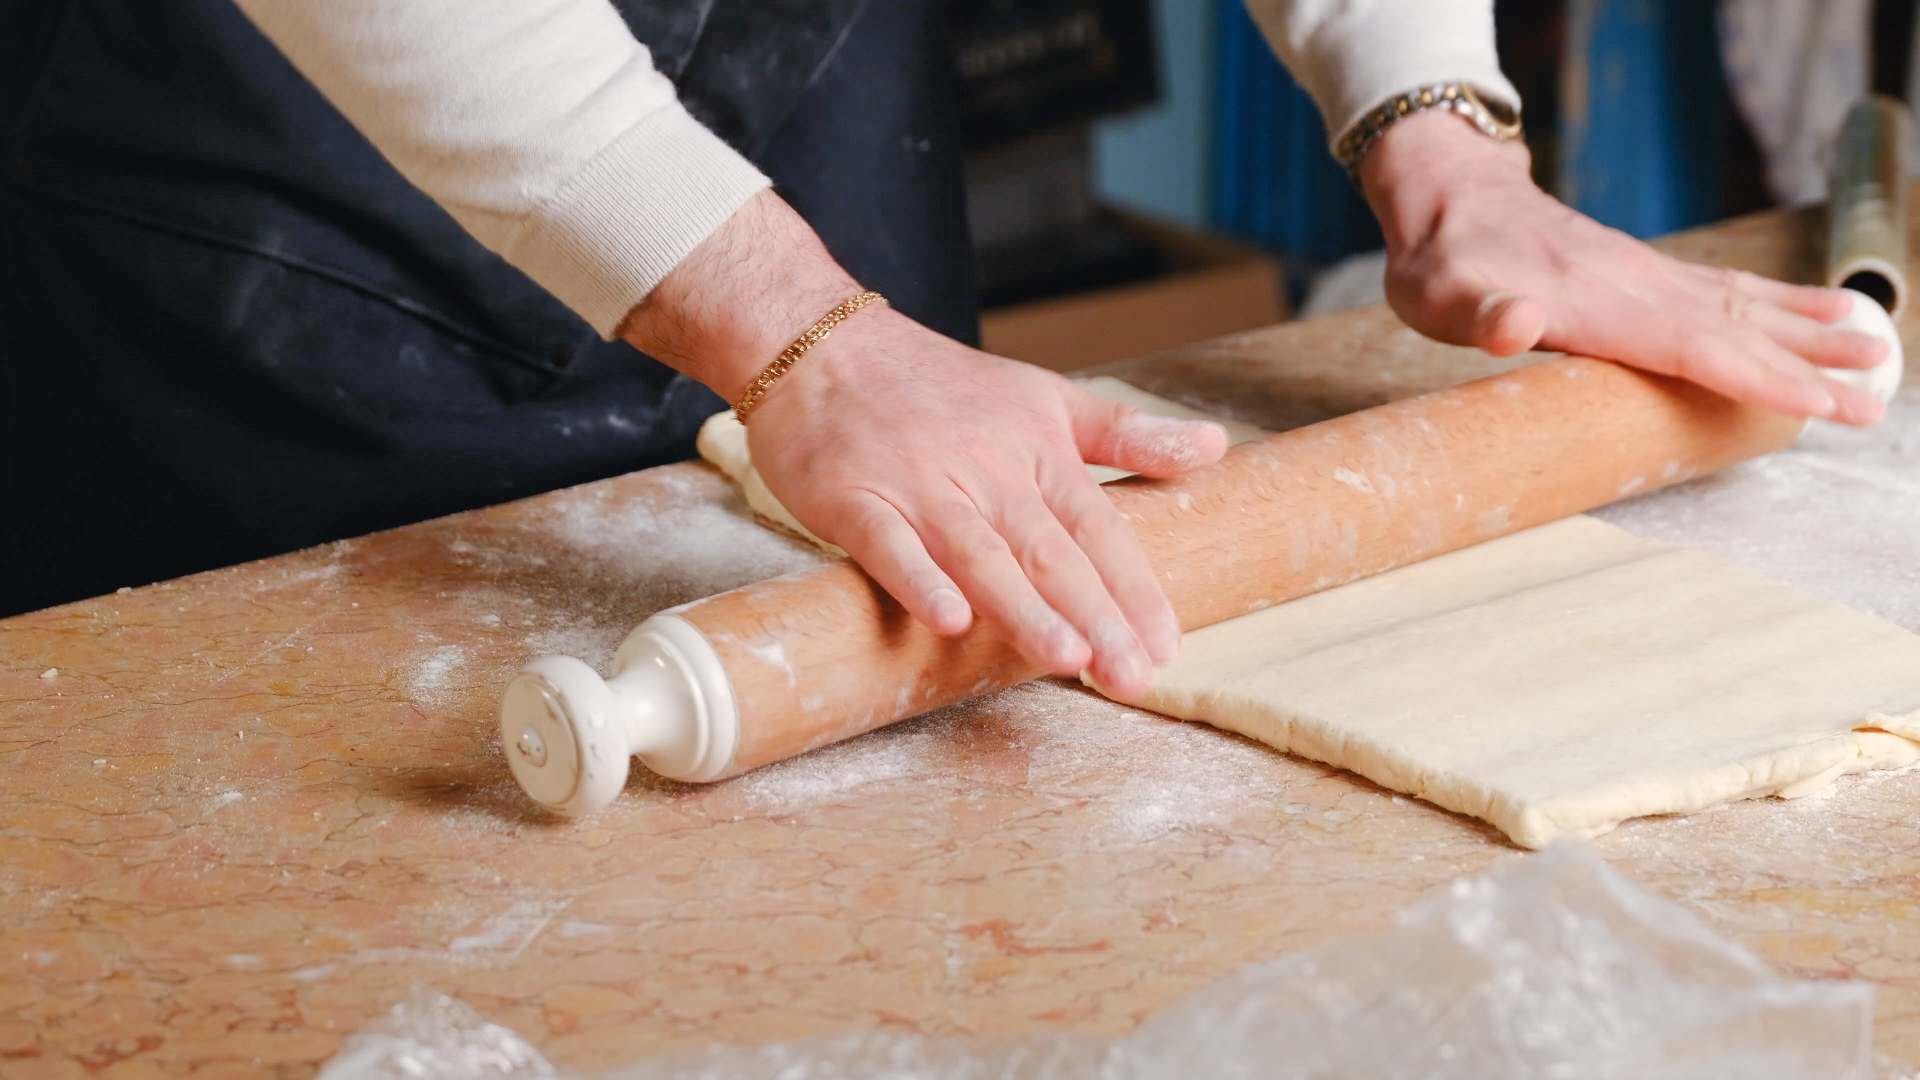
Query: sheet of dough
x=1553, y=682
x=1561, y=680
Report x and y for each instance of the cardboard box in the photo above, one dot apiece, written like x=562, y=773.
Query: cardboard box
x=1215, y=286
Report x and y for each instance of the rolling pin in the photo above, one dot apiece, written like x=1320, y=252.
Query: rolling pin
x=717, y=687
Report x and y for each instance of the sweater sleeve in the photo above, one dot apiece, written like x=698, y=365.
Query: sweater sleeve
x=540, y=125
x=1351, y=55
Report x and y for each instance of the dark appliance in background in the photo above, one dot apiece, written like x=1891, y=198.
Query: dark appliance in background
x=1035, y=75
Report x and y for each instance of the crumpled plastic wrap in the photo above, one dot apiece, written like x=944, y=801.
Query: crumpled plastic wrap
x=432, y=1035
x=1550, y=966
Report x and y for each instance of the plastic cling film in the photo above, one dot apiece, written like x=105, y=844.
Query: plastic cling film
x=432, y=1035
x=1551, y=965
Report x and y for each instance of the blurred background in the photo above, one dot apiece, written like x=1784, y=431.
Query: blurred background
x=1144, y=173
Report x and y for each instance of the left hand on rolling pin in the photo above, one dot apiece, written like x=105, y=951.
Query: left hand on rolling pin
x=954, y=477
x=1478, y=255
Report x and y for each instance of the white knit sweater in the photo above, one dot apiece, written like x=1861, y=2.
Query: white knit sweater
x=543, y=128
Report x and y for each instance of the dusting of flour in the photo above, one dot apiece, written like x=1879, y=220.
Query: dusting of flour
x=598, y=561
x=431, y=677
x=1832, y=514
x=1130, y=776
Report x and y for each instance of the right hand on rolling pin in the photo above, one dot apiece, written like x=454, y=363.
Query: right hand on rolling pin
x=1478, y=255
x=954, y=477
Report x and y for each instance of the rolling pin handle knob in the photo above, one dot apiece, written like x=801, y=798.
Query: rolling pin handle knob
x=569, y=734
x=1868, y=317
x=560, y=728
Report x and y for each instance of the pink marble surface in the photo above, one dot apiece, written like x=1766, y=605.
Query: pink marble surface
x=245, y=812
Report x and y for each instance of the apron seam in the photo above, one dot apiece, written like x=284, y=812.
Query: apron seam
x=444, y=323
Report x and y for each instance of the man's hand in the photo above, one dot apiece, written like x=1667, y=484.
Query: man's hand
x=1478, y=255
x=956, y=478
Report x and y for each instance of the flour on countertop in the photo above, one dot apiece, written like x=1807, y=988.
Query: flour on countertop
x=429, y=681
x=596, y=564
x=1136, y=776
x=1833, y=514
x=1816, y=829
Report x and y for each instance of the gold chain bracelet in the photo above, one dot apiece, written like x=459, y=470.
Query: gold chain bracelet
x=756, y=390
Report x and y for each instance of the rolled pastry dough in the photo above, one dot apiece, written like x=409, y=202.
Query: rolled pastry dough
x=1561, y=680
x=1553, y=682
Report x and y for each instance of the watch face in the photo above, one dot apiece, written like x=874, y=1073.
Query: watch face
x=1502, y=114
x=1496, y=119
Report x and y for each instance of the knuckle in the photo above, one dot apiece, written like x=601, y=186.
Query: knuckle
x=1062, y=477
x=1093, y=524
x=1049, y=559
x=864, y=516
x=859, y=517
x=976, y=550
x=1738, y=282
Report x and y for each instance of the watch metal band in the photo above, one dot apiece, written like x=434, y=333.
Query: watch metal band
x=1495, y=119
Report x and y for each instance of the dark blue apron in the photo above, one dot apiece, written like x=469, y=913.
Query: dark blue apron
x=231, y=329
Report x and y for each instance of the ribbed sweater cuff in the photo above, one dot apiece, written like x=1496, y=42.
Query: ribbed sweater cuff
x=1404, y=51
x=627, y=218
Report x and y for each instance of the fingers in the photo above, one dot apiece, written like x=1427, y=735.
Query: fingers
x=1065, y=577
x=878, y=537
x=1811, y=301
x=1062, y=576
x=1815, y=342
x=1791, y=344
x=1034, y=547
x=1796, y=317
x=1109, y=433
x=1101, y=531
x=1749, y=366
x=1853, y=405
x=975, y=555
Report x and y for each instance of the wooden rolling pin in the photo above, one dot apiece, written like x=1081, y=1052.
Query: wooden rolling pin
x=714, y=688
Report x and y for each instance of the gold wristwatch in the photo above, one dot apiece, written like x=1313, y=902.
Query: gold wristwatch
x=1495, y=119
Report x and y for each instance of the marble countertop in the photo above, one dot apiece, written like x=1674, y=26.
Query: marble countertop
x=245, y=812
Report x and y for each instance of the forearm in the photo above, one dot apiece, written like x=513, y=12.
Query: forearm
x=739, y=297
x=540, y=125
x=1351, y=55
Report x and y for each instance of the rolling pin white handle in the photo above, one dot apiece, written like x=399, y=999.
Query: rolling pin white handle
x=569, y=735
x=1882, y=380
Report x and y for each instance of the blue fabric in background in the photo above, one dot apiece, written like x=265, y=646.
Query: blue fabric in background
x=1273, y=181
x=1643, y=133
x=1647, y=153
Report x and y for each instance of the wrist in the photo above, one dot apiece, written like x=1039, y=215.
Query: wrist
x=1420, y=163
x=739, y=297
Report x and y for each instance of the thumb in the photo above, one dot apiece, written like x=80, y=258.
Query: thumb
x=1110, y=433
x=1506, y=324
x=1464, y=309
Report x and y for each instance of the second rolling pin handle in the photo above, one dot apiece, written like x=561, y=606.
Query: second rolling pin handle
x=1882, y=380
x=570, y=735
x=1867, y=215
